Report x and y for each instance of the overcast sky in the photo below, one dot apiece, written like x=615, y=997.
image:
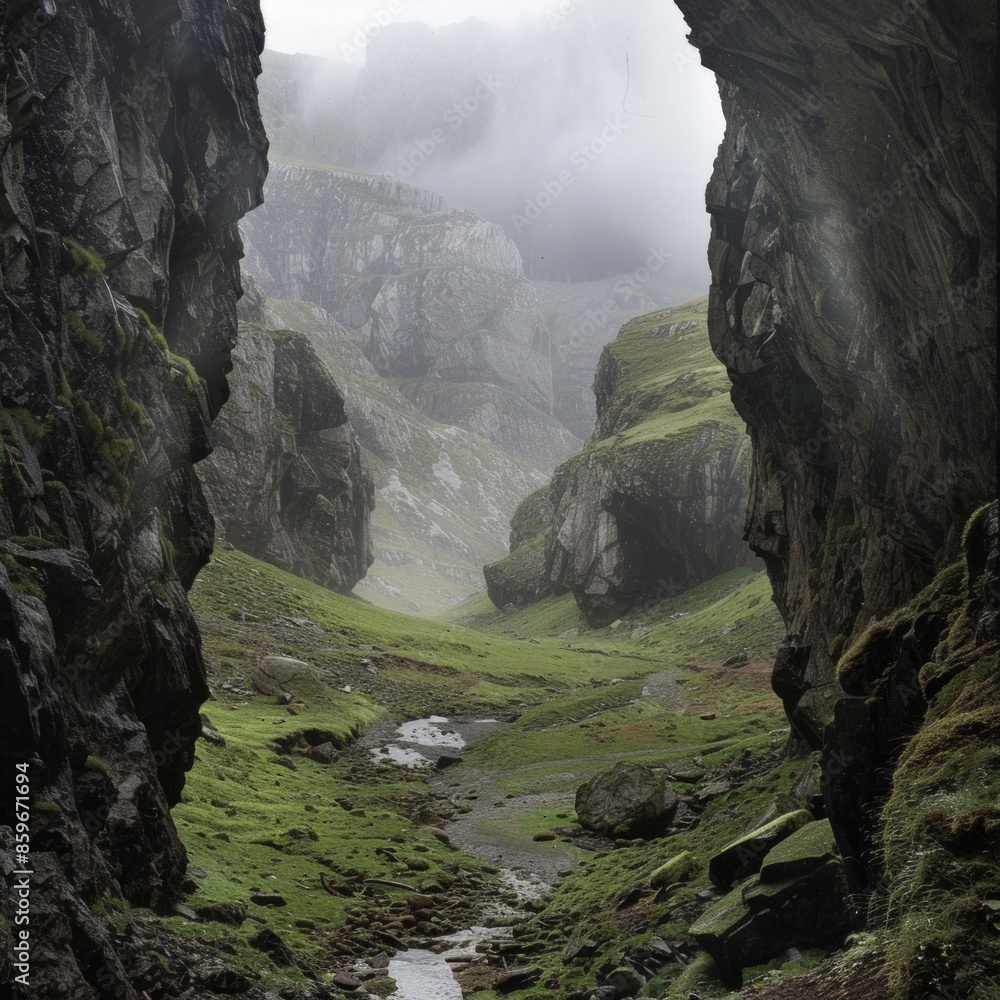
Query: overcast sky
x=634, y=65
x=321, y=27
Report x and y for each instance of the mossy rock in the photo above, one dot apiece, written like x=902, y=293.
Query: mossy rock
x=808, y=848
x=277, y=675
x=683, y=867
x=745, y=855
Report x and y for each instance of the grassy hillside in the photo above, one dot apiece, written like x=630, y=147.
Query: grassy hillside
x=666, y=379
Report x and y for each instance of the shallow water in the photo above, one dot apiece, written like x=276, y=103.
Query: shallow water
x=435, y=733
x=422, y=975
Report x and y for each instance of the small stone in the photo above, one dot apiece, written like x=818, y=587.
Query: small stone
x=544, y=835
x=345, y=981
x=268, y=899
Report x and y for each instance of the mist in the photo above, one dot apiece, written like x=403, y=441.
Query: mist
x=586, y=130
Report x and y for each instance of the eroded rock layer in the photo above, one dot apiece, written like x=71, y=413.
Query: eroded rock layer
x=130, y=146
x=853, y=257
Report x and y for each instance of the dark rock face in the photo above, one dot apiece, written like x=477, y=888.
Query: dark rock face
x=286, y=479
x=798, y=899
x=854, y=304
x=629, y=800
x=130, y=145
x=854, y=300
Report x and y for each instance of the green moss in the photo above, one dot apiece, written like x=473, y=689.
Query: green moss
x=33, y=542
x=112, y=451
x=96, y=764
x=85, y=261
x=861, y=668
x=837, y=646
x=81, y=335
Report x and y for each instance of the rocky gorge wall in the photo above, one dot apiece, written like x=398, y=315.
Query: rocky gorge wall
x=436, y=298
x=653, y=503
x=853, y=255
x=130, y=146
x=286, y=480
x=853, y=302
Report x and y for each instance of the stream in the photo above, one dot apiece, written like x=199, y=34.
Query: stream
x=427, y=975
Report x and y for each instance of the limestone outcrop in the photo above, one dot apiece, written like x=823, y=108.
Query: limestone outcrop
x=436, y=298
x=287, y=480
x=130, y=146
x=654, y=503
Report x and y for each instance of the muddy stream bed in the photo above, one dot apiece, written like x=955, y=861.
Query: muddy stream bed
x=485, y=828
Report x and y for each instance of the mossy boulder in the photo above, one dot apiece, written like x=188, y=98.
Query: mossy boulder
x=745, y=855
x=278, y=675
x=759, y=919
x=629, y=800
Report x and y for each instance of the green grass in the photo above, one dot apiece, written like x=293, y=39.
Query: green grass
x=253, y=823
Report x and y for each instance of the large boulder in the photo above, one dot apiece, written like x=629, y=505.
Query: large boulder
x=798, y=900
x=629, y=800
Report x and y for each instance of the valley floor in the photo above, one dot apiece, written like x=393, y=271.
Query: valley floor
x=297, y=835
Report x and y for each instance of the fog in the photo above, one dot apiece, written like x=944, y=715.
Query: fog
x=587, y=128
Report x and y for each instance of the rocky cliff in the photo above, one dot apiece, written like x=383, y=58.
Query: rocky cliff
x=286, y=480
x=853, y=257
x=653, y=504
x=853, y=302
x=130, y=146
x=444, y=495
x=435, y=298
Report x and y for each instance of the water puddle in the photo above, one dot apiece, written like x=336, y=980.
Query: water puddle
x=420, y=742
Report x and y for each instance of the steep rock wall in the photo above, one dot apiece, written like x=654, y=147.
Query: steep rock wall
x=653, y=503
x=444, y=495
x=286, y=479
x=434, y=297
x=853, y=302
x=130, y=145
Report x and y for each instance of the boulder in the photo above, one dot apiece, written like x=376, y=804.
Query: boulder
x=761, y=919
x=629, y=800
x=808, y=848
x=275, y=675
x=744, y=855
x=682, y=867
